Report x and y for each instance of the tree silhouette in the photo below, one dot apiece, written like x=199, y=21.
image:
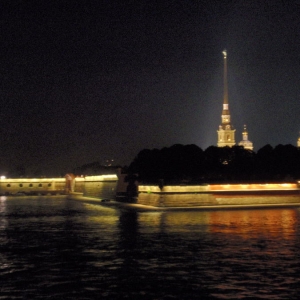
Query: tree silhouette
x=190, y=164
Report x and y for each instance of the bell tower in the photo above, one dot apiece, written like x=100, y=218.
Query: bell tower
x=245, y=142
x=226, y=133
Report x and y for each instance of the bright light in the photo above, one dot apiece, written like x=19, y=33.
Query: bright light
x=2, y=177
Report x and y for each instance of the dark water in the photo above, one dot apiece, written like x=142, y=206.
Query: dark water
x=53, y=248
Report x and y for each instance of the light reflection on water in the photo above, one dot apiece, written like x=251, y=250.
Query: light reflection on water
x=63, y=249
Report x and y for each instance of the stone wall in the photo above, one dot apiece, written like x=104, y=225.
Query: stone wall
x=32, y=186
x=215, y=195
x=43, y=186
x=193, y=200
x=176, y=200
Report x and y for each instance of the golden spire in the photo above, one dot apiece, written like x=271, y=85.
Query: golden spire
x=225, y=78
x=226, y=131
x=225, y=112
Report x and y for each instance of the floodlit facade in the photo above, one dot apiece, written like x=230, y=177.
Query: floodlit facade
x=245, y=142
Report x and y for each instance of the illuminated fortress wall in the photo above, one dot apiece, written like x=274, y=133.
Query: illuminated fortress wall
x=47, y=185
x=220, y=194
x=32, y=185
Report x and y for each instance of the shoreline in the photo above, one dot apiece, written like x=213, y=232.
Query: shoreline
x=148, y=208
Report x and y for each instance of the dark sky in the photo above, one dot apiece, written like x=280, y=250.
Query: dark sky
x=85, y=81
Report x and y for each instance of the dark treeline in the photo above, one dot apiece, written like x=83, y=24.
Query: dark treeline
x=190, y=164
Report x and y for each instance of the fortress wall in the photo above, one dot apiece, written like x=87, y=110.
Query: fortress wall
x=174, y=189
x=175, y=196
x=176, y=200
x=111, y=177
x=47, y=185
x=31, y=185
x=258, y=200
x=202, y=199
x=214, y=195
x=221, y=188
x=254, y=187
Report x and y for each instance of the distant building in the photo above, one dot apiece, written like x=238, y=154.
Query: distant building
x=226, y=133
x=298, y=143
x=245, y=142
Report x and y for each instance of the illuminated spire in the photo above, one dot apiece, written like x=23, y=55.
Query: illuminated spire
x=225, y=78
x=225, y=111
x=226, y=132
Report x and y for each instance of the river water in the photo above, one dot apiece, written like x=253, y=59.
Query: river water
x=54, y=248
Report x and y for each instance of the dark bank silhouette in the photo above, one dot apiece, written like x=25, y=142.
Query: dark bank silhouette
x=189, y=164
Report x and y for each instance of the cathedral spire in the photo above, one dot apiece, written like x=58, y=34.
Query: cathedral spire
x=225, y=111
x=225, y=99
x=226, y=132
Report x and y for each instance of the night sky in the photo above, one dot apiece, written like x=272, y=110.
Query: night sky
x=85, y=81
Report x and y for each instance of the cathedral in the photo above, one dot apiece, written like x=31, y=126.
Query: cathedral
x=226, y=132
x=245, y=142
